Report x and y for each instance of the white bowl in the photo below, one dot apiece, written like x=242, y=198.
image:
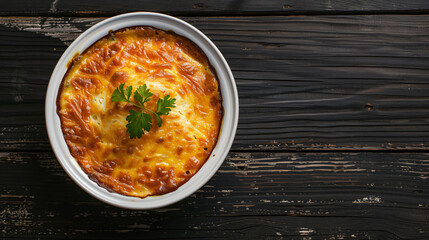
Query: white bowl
x=229, y=101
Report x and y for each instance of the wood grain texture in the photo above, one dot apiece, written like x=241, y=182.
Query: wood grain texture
x=253, y=195
x=207, y=7
x=304, y=82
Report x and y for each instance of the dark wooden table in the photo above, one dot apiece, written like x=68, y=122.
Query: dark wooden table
x=332, y=142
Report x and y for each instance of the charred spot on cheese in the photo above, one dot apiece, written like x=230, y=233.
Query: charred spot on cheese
x=94, y=127
x=118, y=78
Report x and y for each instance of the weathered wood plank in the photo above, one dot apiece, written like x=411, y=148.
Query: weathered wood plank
x=305, y=83
x=254, y=195
x=206, y=7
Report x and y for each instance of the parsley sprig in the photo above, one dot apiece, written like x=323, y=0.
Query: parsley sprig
x=141, y=120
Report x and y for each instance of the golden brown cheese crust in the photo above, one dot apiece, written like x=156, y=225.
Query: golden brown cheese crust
x=94, y=127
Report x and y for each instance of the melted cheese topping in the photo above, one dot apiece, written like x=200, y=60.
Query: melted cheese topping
x=94, y=127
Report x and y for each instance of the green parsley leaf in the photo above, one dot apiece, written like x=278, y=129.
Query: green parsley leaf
x=141, y=121
x=135, y=124
x=147, y=122
x=128, y=92
x=121, y=95
x=137, y=121
x=163, y=108
x=158, y=119
x=164, y=105
x=142, y=94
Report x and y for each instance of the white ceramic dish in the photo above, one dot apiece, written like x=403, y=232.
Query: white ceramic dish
x=229, y=101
